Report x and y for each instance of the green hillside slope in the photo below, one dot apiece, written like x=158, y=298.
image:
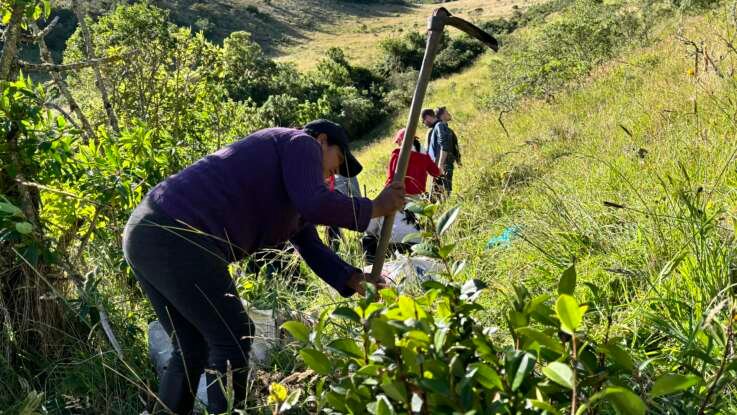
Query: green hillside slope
x=629, y=174
x=637, y=132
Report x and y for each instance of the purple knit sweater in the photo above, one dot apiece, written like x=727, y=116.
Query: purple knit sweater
x=263, y=190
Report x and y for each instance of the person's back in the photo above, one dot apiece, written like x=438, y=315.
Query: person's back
x=239, y=194
x=347, y=185
x=445, y=151
x=419, y=167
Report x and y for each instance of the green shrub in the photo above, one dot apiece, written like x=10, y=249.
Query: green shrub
x=398, y=352
x=247, y=71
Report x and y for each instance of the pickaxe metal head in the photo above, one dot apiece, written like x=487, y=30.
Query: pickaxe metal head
x=441, y=17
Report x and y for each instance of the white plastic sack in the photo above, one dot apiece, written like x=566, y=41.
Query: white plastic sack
x=400, y=229
x=265, y=334
x=404, y=269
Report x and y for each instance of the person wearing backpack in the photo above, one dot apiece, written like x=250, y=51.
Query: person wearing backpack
x=444, y=149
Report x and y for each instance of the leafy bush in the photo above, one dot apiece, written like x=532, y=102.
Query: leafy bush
x=394, y=352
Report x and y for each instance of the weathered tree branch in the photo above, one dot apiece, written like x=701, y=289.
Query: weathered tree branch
x=10, y=47
x=56, y=191
x=61, y=111
x=90, y=52
x=46, y=30
x=53, y=67
x=26, y=200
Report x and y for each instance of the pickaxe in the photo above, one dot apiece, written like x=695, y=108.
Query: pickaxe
x=436, y=24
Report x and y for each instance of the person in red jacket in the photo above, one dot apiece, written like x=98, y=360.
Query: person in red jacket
x=420, y=166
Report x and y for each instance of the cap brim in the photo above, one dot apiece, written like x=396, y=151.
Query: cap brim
x=351, y=167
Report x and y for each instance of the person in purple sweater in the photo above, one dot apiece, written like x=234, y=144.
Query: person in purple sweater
x=256, y=193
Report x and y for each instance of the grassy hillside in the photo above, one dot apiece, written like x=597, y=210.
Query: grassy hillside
x=630, y=174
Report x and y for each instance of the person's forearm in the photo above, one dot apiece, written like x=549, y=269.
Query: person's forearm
x=376, y=211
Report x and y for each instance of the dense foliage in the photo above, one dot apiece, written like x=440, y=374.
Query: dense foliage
x=420, y=347
x=68, y=182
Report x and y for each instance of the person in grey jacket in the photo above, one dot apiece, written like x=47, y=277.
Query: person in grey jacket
x=347, y=186
x=444, y=149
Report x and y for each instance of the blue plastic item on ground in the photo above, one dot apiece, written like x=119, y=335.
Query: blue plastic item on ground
x=504, y=239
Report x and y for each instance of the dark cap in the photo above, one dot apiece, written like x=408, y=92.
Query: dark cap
x=337, y=135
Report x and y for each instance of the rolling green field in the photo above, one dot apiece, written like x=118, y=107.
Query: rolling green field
x=359, y=29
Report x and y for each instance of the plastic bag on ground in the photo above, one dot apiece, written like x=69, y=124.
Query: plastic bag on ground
x=404, y=271
x=401, y=228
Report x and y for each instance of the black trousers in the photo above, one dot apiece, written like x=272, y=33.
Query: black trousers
x=186, y=279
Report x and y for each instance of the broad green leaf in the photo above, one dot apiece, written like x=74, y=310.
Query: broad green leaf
x=384, y=406
x=298, y=330
x=389, y=295
x=412, y=237
x=559, y=373
x=527, y=363
x=536, y=302
x=371, y=309
x=394, y=389
x=486, y=376
x=419, y=336
x=10, y=209
x=425, y=249
x=544, y=406
x=338, y=401
x=447, y=219
x=618, y=356
x=317, y=361
x=429, y=210
x=569, y=313
x=567, y=282
x=625, y=402
x=541, y=338
x=346, y=313
x=439, y=386
x=369, y=370
x=410, y=361
x=672, y=383
x=24, y=228
x=291, y=400
x=415, y=208
x=382, y=332
x=517, y=319
x=347, y=347
x=445, y=250
x=439, y=339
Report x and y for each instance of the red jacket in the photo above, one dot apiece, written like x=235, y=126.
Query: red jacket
x=420, y=165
